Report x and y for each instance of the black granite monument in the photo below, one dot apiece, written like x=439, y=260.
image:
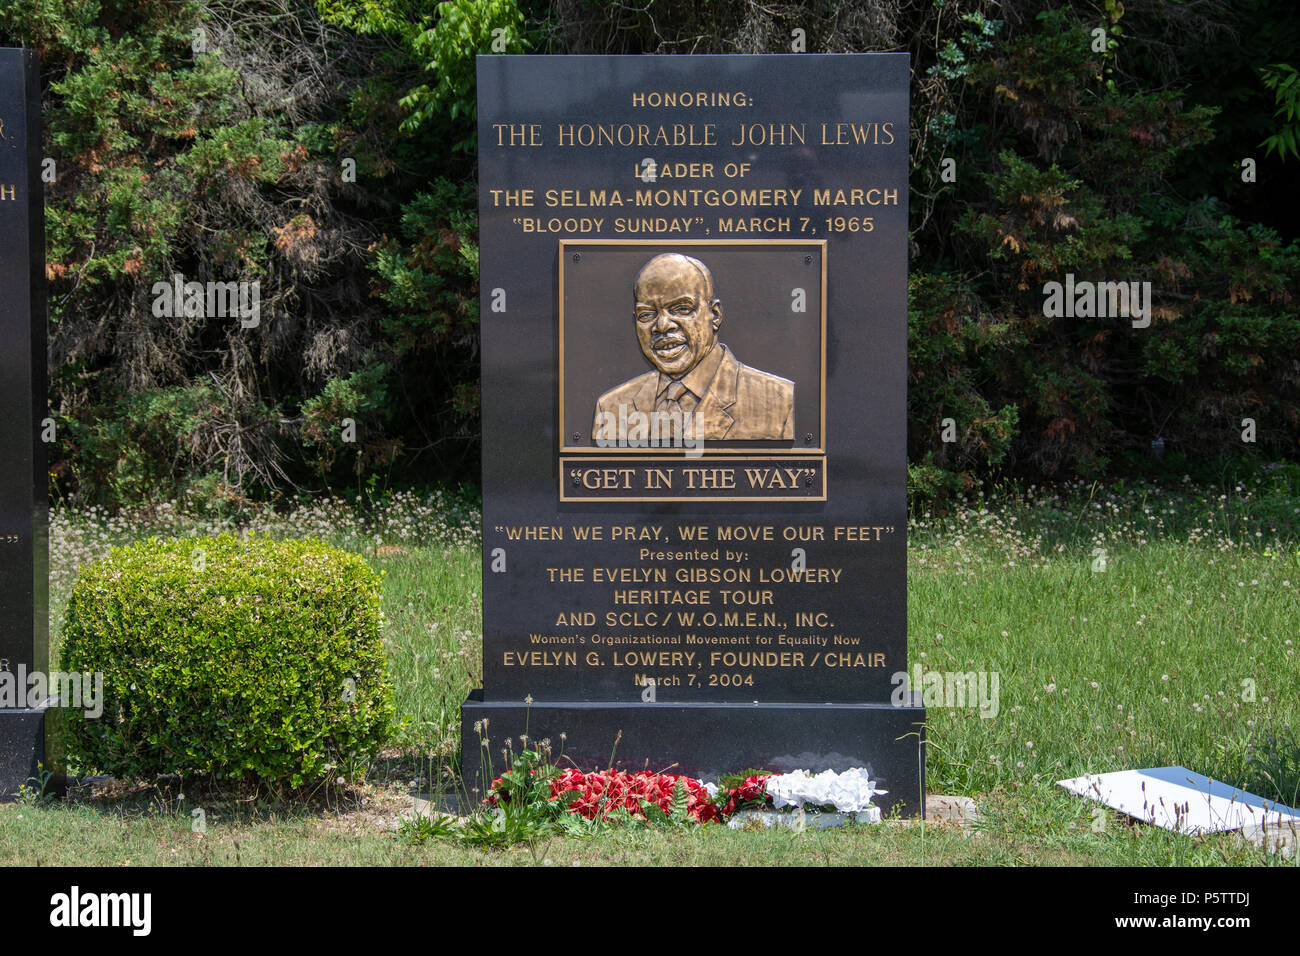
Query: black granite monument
x=693, y=276
x=24, y=548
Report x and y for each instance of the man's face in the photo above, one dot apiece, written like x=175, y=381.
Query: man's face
x=676, y=323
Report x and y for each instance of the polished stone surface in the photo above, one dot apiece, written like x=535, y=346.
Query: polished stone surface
x=748, y=185
x=708, y=740
x=22, y=743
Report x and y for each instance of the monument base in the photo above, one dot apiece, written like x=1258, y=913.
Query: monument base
x=22, y=748
x=707, y=740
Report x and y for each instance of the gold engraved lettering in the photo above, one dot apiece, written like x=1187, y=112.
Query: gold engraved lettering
x=518, y=134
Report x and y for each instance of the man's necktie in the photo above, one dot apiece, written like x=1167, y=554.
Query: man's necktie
x=671, y=401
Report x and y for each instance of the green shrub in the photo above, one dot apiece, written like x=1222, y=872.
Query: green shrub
x=930, y=486
x=239, y=661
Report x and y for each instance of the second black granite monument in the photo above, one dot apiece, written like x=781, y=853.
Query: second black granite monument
x=24, y=546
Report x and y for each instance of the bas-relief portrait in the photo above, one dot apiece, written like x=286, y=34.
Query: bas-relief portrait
x=677, y=319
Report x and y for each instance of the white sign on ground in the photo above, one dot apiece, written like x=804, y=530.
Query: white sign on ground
x=1182, y=800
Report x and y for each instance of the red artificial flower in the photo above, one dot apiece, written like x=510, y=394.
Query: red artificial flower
x=752, y=788
x=609, y=792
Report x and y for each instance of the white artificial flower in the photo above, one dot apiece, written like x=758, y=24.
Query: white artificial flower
x=848, y=792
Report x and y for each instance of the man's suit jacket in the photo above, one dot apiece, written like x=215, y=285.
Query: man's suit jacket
x=740, y=404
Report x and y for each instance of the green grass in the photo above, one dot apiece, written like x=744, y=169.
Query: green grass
x=1153, y=660
x=433, y=617
x=1040, y=826
x=1181, y=651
